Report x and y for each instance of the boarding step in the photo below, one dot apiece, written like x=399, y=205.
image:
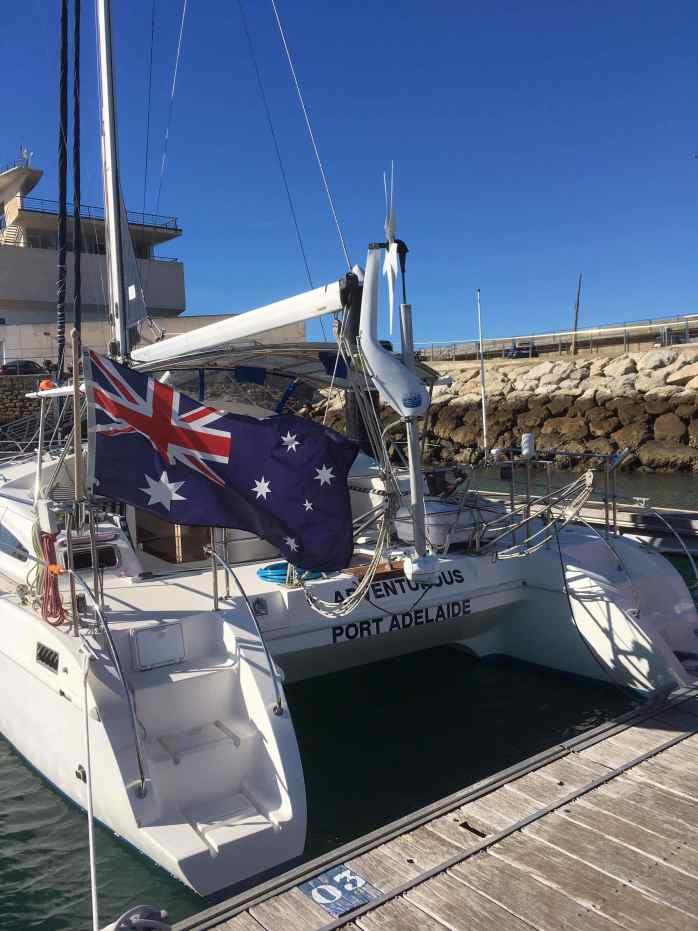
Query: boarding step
x=186, y=670
x=202, y=737
x=224, y=821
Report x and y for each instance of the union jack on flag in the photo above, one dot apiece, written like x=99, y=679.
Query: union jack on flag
x=155, y=414
x=282, y=478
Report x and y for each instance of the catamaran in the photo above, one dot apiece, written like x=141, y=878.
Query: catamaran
x=146, y=643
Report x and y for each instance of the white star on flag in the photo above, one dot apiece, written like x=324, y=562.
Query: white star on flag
x=262, y=488
x=162, y=491
x=290, y=442
x=324, y=475
x=291, y=544
x=308, y=505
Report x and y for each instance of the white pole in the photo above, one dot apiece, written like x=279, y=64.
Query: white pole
x=483, y=393
x=110, y=174
x=88, y=787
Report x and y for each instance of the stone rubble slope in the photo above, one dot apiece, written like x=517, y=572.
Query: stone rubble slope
x=646, y=401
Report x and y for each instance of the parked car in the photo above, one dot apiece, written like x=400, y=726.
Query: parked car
x=520, y=351
x=22, y=367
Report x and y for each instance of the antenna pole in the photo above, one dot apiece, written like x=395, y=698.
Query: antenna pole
x=483, y=394
x=576, y=315
x=112, y=188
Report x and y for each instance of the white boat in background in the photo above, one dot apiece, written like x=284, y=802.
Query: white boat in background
x=167, y=646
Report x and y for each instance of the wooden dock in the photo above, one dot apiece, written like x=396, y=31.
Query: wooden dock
x=597, y=833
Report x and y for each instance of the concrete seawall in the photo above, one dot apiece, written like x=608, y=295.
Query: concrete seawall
x=646, y=401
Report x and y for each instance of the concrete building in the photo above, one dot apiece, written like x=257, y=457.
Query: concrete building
x=28, y=241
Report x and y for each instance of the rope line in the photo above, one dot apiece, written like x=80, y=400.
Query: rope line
x=150, y=97
x=163, y=164
x=275, y=140
x=312, y=135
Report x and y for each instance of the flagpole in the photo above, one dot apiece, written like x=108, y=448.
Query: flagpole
x=77, y=420
x=483, y=394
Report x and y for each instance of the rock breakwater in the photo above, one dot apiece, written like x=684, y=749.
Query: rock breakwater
x=645, y=401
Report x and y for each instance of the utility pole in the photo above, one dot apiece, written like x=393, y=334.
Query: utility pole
x=576, y=315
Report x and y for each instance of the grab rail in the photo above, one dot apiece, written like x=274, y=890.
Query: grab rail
x=119, y=669
x=216, y=557
x=678, y=540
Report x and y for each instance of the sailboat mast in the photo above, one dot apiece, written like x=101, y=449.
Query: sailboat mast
x=112, y=191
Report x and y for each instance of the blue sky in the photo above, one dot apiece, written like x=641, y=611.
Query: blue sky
x=532, y=141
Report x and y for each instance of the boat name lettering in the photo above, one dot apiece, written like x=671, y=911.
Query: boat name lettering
x=389, y=588
x=386, y=623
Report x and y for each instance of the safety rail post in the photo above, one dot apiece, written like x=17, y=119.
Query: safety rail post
x=214, y=567
x=104, y=627
x=278, y=708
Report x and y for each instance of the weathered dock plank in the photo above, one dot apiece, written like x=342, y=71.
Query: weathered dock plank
x=456, y=905
x=590, y=887
x=600, y=834
x=520, y=892
x=290, y=911
x=399, y=915
x=619, y=861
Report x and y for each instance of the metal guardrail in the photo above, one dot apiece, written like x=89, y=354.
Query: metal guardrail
x=15, y=163
x=664, y=331
x=229, y=571
x=137, y=218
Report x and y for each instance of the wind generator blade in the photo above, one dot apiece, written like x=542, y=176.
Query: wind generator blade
x=390, y=264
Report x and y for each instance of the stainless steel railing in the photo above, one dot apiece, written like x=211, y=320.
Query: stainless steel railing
x=216, y=558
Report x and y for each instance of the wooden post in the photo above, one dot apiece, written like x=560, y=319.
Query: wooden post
x=576, y=316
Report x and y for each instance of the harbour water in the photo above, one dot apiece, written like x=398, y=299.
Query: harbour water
x=377, y=742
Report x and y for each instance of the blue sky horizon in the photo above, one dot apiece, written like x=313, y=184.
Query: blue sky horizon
x=531, y=144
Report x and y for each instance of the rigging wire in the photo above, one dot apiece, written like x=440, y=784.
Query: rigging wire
x=311, y=134
x=150, y=97
x=77, y=196
x=163, y=163
x=62, y=182
x=275, y=140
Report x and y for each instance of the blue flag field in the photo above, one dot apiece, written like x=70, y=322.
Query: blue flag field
x=282, y=478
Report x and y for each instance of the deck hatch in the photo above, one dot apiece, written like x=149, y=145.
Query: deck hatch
x=159, y=645
x=47, y=657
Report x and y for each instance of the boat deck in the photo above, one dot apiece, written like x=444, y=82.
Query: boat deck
x=600, y=832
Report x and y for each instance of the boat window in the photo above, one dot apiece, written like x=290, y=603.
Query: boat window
x=10, y=545
x=82, y=559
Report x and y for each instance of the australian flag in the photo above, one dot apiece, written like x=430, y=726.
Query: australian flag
x=282, y=478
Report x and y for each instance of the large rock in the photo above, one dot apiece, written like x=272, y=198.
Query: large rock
x=597, y=367
x=646, y=381
x=668, y=428
x=656, y=359
x=531, y=419
x=629, y=411
x=515, y=402
x=683, y=375
x=559, y=404
x=623, y=365
x=450, y=417
x=657, y=456
x=603, y=426
x=586, y=401
x=572, y=428
x=630, y=436
x=658, y=400
x=543, y=368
